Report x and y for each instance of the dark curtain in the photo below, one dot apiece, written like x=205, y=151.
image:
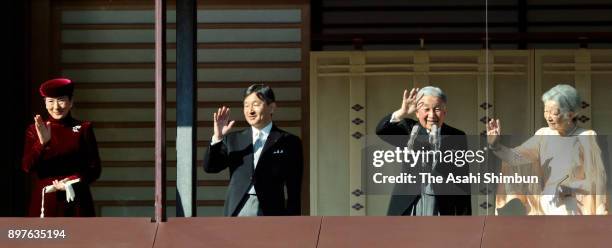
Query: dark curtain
x=16, y=104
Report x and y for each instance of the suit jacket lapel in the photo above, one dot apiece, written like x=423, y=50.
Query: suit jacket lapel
x=247, y=136
x=270, y=141
x=446, y=134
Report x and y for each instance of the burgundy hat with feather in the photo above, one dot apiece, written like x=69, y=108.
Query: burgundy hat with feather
x=56, y=87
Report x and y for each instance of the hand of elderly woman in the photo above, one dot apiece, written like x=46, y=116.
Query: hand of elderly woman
x=493, y=132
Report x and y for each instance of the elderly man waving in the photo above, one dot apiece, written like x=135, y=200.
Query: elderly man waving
x=427, y=133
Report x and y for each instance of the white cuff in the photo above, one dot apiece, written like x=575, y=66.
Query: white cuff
x=213, y=141
x=394, y=118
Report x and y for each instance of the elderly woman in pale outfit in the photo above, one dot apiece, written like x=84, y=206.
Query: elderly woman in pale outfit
x=565, y=157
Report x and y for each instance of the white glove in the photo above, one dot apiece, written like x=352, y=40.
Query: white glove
x=69, y=190
x=68, y=187
x=50, y=188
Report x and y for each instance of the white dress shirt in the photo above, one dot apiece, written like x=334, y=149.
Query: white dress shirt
x=262, y=135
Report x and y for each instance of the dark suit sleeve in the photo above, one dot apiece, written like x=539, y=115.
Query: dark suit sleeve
x=294, y=177
x=216, y=157
x=394, y=133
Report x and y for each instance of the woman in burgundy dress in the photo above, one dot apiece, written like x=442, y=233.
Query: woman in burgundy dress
x=62, y=153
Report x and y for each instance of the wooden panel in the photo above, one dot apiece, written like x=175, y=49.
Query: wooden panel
x=146, y=95
x=214, y=75
x=211, y=4
x=140, y=173
x=512, y=98
x=136, y=26
x=126, y=55
x=330, y=167
x=171, y=85
x=210, y=45
x=170, y=124
x=203, y=35
x=147, y=105
x=150, y=183
x=600, y=104
x=137, y=154
x=251, y=16
x=73, y=66
x=146, y=114
x=600, y=68
x=147, y=134
x=582, y=82
x=203, y=16
x=146, y=193
x=357, y=96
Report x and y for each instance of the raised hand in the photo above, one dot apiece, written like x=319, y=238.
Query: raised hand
x=409, y=102
x=493, y=131
x=222, y=123
x=42, y=129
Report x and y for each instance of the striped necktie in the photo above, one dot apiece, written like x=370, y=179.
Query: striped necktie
x=257, y=147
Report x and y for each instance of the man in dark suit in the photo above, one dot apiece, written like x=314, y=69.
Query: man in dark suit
x=428, y=133
x=263, y=160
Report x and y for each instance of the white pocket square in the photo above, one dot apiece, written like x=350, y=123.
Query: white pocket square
x=278, y=151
